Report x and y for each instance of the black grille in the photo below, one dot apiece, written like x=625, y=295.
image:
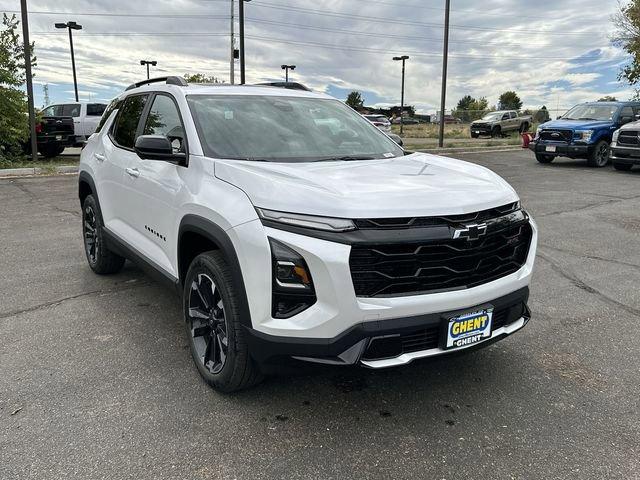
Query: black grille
x=557, y=135
x=417, y=222
x=629, y=137
x=412, y=268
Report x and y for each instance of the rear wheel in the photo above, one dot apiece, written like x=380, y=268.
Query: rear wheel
x=100, y=258
x=599, y=157
x=214, y=327
x=625, y=167
x=544, y=158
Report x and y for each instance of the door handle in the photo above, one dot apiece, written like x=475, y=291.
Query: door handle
x=134, y=172
x=99, y=157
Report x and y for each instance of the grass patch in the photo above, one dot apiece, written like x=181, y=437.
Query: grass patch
x=48, y=165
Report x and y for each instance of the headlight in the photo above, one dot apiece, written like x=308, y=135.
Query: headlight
x=306, y=221
x=584, y=135
x=616, y=134
x=292, y=290
x=538, y=132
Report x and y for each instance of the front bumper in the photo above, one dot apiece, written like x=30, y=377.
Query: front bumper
x=625, y=155
x=481, y=129
x=388, y=343
x=562, y=149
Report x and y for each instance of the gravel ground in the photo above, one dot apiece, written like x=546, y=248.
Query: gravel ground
x=96, y=380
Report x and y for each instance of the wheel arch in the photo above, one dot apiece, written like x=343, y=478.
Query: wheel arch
x=86, y=187
x=197, y=235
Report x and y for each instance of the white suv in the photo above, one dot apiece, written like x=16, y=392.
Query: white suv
x=295, y=231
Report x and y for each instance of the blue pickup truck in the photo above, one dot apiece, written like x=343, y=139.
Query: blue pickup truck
x=585, y=131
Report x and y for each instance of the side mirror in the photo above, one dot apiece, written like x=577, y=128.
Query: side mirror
x=558, y=117
x=157, y=147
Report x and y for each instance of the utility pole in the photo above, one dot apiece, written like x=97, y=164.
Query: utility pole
x=27, y=67
x=286, y=69
x=445, y=59
x=72, y=26
x=232, y=65
x=242, y=76
x=403, y=58
x=153, y=63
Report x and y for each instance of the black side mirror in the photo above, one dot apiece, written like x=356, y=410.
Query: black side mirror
x=559, y=117
x=157, y=147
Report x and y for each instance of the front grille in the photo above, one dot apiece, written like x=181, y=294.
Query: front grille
x=557, y=135
x=414, y=268
x=417, y=222
x=428, y=338
x=629, y=137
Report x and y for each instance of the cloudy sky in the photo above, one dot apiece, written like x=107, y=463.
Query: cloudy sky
x=555, y=53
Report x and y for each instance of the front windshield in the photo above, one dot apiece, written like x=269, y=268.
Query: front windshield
x=285, y=129
x=493, y=116
x=591, y=112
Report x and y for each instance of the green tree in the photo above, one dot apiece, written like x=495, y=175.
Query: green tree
x=14, y=120
x=608, y=98
x=470, y=109
x=355, y=100
x=201, y=78
x=509, y=101
x=627, y=37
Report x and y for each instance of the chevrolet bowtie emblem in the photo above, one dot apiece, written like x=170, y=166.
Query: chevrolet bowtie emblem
x=470, y=232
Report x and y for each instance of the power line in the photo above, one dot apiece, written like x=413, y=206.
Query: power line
x=133, y=15
x=140, y=34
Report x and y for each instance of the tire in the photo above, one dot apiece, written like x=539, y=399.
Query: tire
x=212, y=317
x=623, y=167
x=101, y=260
x=496, y=132
x=599, y=157
x=544, y=158
x=60, y=149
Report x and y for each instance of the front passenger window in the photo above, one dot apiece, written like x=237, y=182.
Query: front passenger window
x=126, y=126
x=164, y=119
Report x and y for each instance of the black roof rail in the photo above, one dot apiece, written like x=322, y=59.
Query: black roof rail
x=181, y=82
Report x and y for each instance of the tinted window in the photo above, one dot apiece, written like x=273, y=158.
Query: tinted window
x=114, y=105
x=71, y=110
x=53, y=111
x=513, y=114
x=124, y=132
x=505, y=116
x=626, y=112
x=164, y=119
x=95, y=109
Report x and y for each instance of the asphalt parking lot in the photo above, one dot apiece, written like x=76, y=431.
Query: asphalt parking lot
x=96, y=380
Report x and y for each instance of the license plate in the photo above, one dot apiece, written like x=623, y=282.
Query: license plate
x=550, y=148
x=58, y=137
x=469, y=328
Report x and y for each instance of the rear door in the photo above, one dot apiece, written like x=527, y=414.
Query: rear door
x=153, y=188
x=117, y=153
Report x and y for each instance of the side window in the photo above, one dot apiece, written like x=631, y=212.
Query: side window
x=513, y=114
x=126, y=125
x=71, y=110
x=95, y=109
x=164, y=119
x=505, y=116
x=115, y=104
x=53, y=111
x=626, y=114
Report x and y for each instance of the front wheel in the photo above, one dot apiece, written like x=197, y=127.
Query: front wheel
x=496, y=132
x=599, y=157
x=100, y=258
x=544, y=158
x=213, y=325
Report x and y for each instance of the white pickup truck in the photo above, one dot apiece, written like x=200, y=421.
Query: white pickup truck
x=86, y=117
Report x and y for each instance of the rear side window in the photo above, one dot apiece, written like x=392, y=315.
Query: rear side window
x=124, y=132
x=95, y=109
x=71, y=110
x=164, y=119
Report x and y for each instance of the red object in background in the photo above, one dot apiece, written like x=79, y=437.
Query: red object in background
x=526, y=139
x=38, y=127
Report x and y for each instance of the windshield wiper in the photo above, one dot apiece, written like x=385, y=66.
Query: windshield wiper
x=588, y=118
x=348, y=158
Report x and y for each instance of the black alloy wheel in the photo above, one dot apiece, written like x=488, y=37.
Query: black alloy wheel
x=90, y=232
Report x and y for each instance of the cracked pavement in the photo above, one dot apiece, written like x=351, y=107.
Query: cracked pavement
x=96, y=380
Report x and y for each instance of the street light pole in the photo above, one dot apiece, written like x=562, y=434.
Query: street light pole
x=232, y=73
x=286, y=69
x=241, y=21
x=445, y=61
x=27, y=67
x=403, y=58
x=147, y=63
x=72, y=26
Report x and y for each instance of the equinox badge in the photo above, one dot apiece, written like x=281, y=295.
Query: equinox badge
x=470, y=232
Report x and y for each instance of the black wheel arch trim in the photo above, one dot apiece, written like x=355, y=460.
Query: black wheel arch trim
x=195, y=224
x=85, y=177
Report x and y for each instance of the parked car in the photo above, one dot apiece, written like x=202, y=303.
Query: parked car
x=498, y=123
x=85, y=118
x=53, y=135
x=298, y=242
x=380, y=121
x=405, y=121
x=585, y=131
x=625, y=147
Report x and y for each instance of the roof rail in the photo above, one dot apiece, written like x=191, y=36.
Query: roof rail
x=181, y=82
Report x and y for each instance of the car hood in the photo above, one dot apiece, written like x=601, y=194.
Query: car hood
x=413, y=185
x=575, y=124
x=631, y=126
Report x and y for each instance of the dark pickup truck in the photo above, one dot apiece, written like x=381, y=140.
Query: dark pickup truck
x=54, y=135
